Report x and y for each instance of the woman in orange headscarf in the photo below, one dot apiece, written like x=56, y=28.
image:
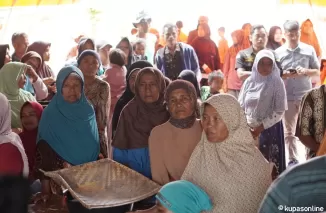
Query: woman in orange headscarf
x=308, y=36
x=247, y=30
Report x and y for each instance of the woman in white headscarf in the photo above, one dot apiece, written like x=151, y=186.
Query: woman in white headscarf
x=263, y=98
x=226, y=163
x=13, y=160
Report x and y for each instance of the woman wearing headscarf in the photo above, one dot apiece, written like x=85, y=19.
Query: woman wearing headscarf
x=30, y=115
x=247, y=30
x=171, y=144
x=126, y=47
x=34, y=84
x=138, y=118
x=309, y=36
x=206, y=49
x=45, y=72
x=190, y=76
x=67, y=132
x=13, y=159
x=12, y=82
x=226, y=163
x=274, y=38
x=4, y=54
x=97, y=92
x=129, y=93
x=263, y=98
x=232, y=83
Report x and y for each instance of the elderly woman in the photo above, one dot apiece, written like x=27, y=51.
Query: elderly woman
x=67, y=132
x=12, y=82
x=34, y=83
x=13, y=159
x=226, y=163
x=44, y=71
x=4, y=54
x=171, y=144
x=129, y=93
x=137, y=120
x=263, y=98
x=98, y=93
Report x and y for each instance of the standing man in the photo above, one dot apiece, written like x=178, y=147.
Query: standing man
x=223, y=45
x=20, y=43
x=176, y=56
x=245, y=58
x=193, y=34
x=142, y=24
x=299, y=62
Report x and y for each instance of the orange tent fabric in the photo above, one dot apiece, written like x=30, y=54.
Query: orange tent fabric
x=310, y=2
x=22, y=3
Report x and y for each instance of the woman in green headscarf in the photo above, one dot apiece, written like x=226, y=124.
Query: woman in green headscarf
x=12, y=82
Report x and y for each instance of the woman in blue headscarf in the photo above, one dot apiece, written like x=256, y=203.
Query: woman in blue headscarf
x=67, y=133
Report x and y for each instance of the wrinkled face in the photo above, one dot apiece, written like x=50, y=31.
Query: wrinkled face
x=265, y=66
x=259, y=38
x=180, y=104
x=132, y=80
x=7, y=57
x=21, y=80
x=46, y=54
x=171, y=36
x=307, y=27
x=29, y=118
x=89, y=65
x=216, y=84
x=124, y=46
x=72, y=88
x=140, y=49
x=20, y=44
x=201, y=32
x=34, y=63
x=292, y=37
x=278, y=35
x=148, y=88
x=213, y=125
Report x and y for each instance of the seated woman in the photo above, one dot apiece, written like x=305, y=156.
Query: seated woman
x=67, y=133
x=138, y=118
x=190, y=76
x=263, y=98
x=13, y=159
x=171, y=144
x=98, y=93
x=12, y=82
x=129, y=93
x=45, y=72
x=226, y=163
x=34, y=83
x=30, y=115
x=4, y=54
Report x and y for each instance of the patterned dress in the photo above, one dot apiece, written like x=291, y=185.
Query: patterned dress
x=311, y=120
x=98, y=93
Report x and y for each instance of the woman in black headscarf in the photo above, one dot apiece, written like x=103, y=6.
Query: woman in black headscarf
x=129, y=92
x=189, y=75
x=274, y=38
x=4, y=55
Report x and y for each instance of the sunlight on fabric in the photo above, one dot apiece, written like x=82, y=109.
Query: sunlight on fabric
x=16, y=3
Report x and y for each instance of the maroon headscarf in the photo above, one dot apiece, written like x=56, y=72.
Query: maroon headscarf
x=40, y=47
x=29, y=137
x=139, y=118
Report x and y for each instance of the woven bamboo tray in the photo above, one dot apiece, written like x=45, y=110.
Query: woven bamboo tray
x=104, y=183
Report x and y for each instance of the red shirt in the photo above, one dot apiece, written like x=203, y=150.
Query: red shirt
x=11, y=161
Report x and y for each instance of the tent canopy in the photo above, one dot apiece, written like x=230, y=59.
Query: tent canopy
x=13, y=3
x=310, y=2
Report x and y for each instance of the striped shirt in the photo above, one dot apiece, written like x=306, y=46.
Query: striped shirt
x=303, y=185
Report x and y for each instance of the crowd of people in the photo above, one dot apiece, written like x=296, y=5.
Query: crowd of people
x=211, y=123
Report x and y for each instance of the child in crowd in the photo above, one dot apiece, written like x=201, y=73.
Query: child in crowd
x=215, y=83
x=139, y=50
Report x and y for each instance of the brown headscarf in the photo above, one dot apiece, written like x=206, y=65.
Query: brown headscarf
x=32, y=54
x=40, y=47
x=310, y=37
x=235, y=48
x=138, y=118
